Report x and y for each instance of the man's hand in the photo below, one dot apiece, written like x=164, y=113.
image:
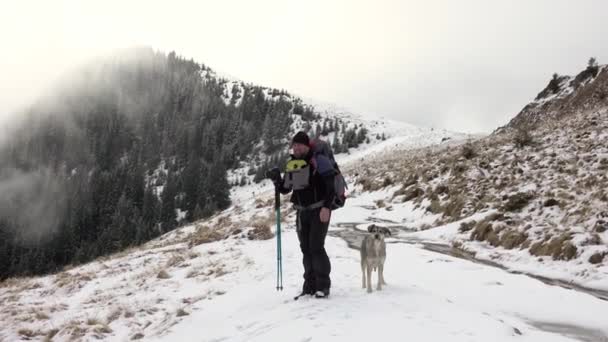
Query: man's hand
x=324, y=215
x=275, y=176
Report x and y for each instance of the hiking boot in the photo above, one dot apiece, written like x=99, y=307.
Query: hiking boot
x=322, y=293
x=304, y=293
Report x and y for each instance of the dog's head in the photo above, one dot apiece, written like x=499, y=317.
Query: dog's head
x=378, y=232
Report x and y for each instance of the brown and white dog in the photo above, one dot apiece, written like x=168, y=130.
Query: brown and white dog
x=373, y=255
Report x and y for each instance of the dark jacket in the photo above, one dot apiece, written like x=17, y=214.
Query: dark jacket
x=322, y=178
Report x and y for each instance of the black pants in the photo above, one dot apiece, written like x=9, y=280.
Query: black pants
x=312, y=233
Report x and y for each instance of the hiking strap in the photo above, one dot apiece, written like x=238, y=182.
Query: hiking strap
x=309, y=207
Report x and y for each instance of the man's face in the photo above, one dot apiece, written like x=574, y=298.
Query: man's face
x=300, y=150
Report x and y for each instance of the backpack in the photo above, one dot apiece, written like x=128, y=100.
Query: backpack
x=324, y=162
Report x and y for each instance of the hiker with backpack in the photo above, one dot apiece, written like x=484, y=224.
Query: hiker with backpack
x=311, y=174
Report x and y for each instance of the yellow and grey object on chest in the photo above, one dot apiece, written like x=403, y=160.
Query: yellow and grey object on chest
x=297, y=176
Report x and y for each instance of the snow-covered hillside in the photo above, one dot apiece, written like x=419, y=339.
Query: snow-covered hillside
x=215, y=281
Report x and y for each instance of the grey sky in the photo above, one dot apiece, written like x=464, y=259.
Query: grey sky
x=466, y=65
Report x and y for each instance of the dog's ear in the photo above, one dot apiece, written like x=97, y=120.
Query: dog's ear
x=386, y=231
x=371, y=227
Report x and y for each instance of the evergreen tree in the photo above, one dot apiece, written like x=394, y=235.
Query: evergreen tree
x=167, y=214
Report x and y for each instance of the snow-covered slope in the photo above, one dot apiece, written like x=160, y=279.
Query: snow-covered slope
x=565, y=96
x=544, y=203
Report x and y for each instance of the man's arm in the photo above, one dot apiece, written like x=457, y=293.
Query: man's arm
x=328, y=176
x=330, y=191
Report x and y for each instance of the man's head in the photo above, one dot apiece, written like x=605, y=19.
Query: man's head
x=300, y=144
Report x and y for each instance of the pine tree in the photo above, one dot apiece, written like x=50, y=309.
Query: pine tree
x=335, y=145
x=592, y=63
x=318, y=131
x=190, y=182
x=167, y=215
x=151, y=206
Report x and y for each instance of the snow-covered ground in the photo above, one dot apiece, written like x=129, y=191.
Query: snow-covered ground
x=430, y=297
x=174, y=290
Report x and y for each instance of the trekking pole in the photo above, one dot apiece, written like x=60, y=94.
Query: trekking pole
x=277, y=207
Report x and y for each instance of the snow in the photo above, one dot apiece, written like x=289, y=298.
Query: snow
x=429, y=298
x=180, y=214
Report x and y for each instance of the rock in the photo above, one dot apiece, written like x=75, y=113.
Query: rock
x=517, y=201
x=550, y=202
x=414, y=193
x=600, y=226
x=597, y=258
x=137, y=336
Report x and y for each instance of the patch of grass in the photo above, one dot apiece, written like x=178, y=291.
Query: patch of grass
x=569, y=252
x=137, y=336
x=28, y=333
x=453, y=208
x=412, y=194
x=261, y=203
x=62, y=279
x=260, y=231
x=523, y=137
x=467, y=226
x=76, y=331
x=102, y=329
x=517, y=201
x=369, y=184
x=174, y=260
x=50, y=334
x=388, y=181
x=435, y=207
x=458, y=168
x=193, y=255
x=550, y=202
x=41, y=315
x=204, y=234
x=11, y=282
x=181, y=312
x=441, y=189
x=484, y=231
x=600, y=226
x=193, y=273
x=163, y=275
x=93, y=321
x=512, y=238
x=597, y=258
x=114, y=315
x=559, y=248
x=128, y=313
x=468, y=151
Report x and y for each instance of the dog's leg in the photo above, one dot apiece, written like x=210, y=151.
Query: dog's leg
x=369, y=278
x=379, y=284
x=363, y=273
x=380, y=276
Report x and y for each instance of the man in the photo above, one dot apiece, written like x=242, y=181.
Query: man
x=311, y=178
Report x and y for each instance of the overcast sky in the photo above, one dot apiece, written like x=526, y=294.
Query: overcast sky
x=466, y=65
